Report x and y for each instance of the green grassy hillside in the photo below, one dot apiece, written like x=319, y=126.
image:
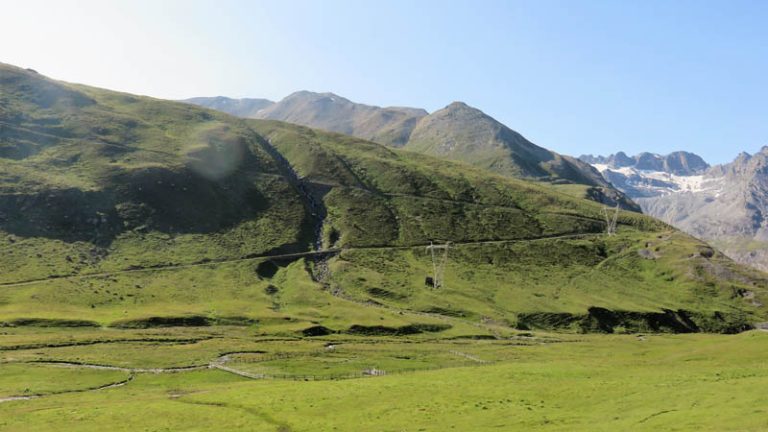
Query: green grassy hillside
x=101, y=180
x=520, y=248
x=134, y=212
x=166, y=267
x=378, y=195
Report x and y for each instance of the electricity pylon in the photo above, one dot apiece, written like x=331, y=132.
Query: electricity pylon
x=438, y=262
x=611, y=218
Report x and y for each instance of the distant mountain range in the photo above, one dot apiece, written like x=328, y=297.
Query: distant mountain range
x=724, y=204
x=237, y=107
x=678, y=163
x=456, y=132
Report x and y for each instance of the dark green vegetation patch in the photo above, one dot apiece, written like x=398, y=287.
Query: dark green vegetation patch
x=48, y=322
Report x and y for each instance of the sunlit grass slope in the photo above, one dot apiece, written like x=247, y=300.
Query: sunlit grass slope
x=560, y=266
x=130, y=211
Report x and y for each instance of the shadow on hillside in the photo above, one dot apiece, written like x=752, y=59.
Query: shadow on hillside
x=149, y=199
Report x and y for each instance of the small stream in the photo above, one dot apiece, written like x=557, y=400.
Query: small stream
x=312, y=194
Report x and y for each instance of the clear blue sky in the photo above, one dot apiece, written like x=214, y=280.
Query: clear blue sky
x=574, y=76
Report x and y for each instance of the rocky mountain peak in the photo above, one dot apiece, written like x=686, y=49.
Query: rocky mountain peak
x=455, y=105
x=621, y=159
x=679, y=163
x=462, y=109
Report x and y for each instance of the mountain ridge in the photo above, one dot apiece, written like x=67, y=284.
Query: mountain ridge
x=678, y=162
x=244, y=107
x=490, y=144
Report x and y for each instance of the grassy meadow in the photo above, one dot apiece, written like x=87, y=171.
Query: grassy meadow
x=531, y=381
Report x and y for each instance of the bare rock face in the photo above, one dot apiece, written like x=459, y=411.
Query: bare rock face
x=724, y=204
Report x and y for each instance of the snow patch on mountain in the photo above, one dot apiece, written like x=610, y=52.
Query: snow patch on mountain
x=639, y=183
x=723, y=204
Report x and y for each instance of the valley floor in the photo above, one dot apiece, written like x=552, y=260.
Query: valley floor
x=229, y=378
